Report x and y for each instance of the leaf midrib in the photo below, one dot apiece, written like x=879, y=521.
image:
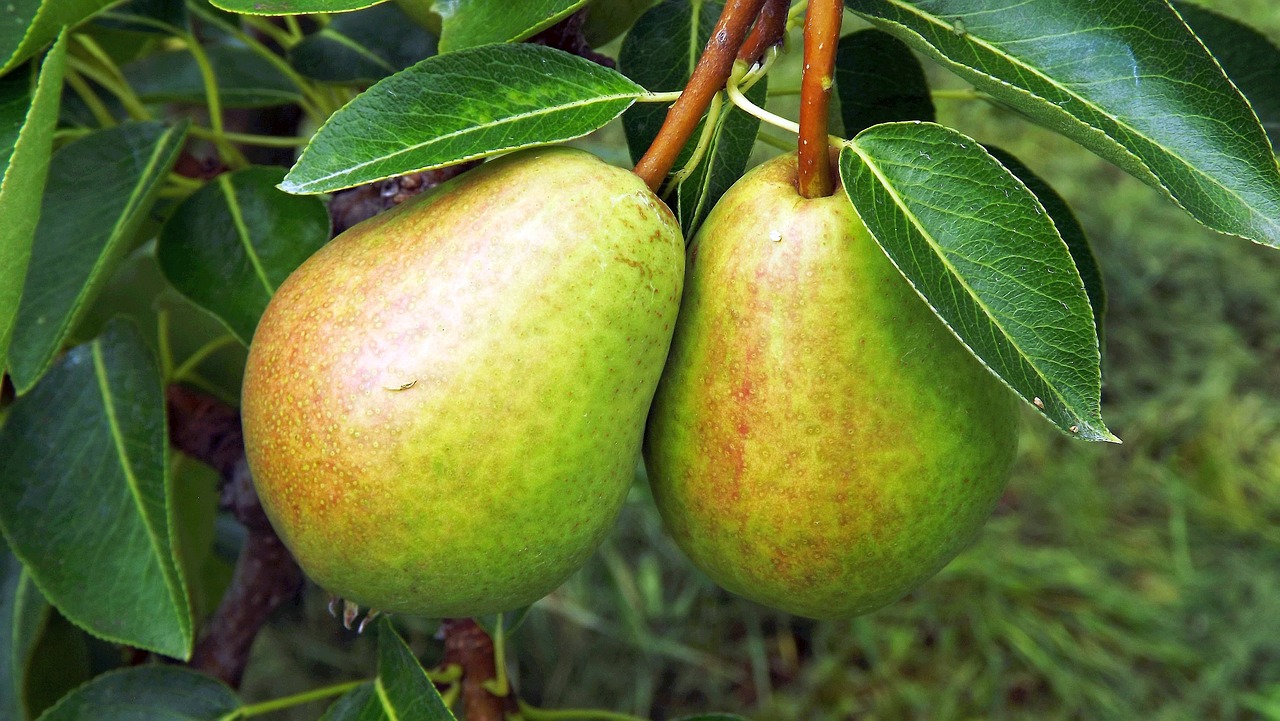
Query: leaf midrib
x=242, y=232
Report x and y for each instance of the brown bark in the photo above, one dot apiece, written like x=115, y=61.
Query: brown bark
x=821, y=36
x=770, y=29
x=469, y=646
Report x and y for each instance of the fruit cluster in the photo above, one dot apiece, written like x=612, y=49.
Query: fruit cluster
x=443, y=408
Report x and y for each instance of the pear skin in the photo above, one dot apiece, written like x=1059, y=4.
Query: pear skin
x=443, y=408
x=820, y=442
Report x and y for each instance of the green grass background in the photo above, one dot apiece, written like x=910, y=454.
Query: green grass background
x=1114, y=582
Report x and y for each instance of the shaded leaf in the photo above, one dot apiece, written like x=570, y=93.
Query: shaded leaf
x=234, y=241
x=1069, y=228
x=1250, y=59
x=140, y=15
x=879, y=80
x=713, y=717
x=659, y=53
x=1124, y=78
x=84, y=494
x=60, y=661
x=23, y=612
x=26, y=26
x=195, y=510
x=732, y=141
x=245, y=80
x=401, y=692
x=470, y=23
x=978, y=246
x=511, y=620
x=363, y=46
x=460, y=106
x=27, y=120
x=99, y=190
x=147, y=692
x=291, y=7
x=607, y=19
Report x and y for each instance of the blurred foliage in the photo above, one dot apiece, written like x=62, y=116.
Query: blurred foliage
x=1139, y=581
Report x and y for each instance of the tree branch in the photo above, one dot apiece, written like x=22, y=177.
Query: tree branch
x=708, y=78
x=769, y=30
x=821, y=36
x=469, y=646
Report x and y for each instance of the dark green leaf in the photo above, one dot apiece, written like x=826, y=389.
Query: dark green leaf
x=401, y=692
x=141, y=16
x=84, y=498
x=732, y=140
x=195, y=510
x=460, y=106
x=607, y=19
x=99, y=191
x=978, y=246
x=27, y=120
x=879, y=80
x=659, y=53
x=23, y=612
x=61, y=661
x=1248, y=57
x=26, y=26
x=245, y=80
x=160, y=693
x=234, y=241
x=1124, y=78
x=363, y=46
x=1070, y=230
x=470, y=23
x=713, y=717
x=291, y=7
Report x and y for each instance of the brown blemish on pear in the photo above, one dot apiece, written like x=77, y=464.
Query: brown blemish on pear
x=819, y=442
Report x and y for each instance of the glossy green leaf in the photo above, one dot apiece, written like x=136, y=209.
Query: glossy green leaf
x=234, y=241
x=1124, y=78
x=23, y=612
x=363, y=47
x=401, y=692
x=980, y=249
x=26, y=26
x=99, y=191
x=1069, y=228
x=245, y=80
x=291, y=7
x=607, y=19
x=160, y=693
x=879, y=80
x=471, y=23
x=1250, y=59
x=27, y=120
x=659, y=53
x=732, y=140
x=460, y=106
x=84, y=494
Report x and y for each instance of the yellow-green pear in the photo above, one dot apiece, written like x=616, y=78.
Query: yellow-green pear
x=443, y=408
x=820, y=441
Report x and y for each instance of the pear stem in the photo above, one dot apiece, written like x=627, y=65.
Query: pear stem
x=821, y=36
x=708, y=78
x=770, y=30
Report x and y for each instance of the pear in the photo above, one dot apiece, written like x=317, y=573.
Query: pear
x=443, y=408
x=820, y=442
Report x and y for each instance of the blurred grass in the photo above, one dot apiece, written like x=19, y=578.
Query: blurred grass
x=1139, y=581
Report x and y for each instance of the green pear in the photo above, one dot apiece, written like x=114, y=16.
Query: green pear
x=443, y=407
x=820, y=442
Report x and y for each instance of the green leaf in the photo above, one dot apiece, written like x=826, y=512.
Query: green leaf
x=23, y=613
x=659, y=53
x=979, y=248
x=26, y=26
x=234, y=241
x=1247, y=56
x=607, y=19
x=1124, y=78
x=99, y=191
x=27, y=120
x=471, y=23
x=732, y=140
x=879, y=80
x=245, y=80
x=84, y=498
x=713, y=717
x=291, y=7
x=1069, y=228
x=195, y=509
x=457, y=107
x=142, y=16
x=511, y=620
x=162, y=693
x=401, y=692
x=363, y=47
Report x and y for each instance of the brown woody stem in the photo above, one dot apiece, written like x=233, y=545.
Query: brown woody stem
x=708, y=78
x=469, y=646
x=768, y=31
x=821, y=36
